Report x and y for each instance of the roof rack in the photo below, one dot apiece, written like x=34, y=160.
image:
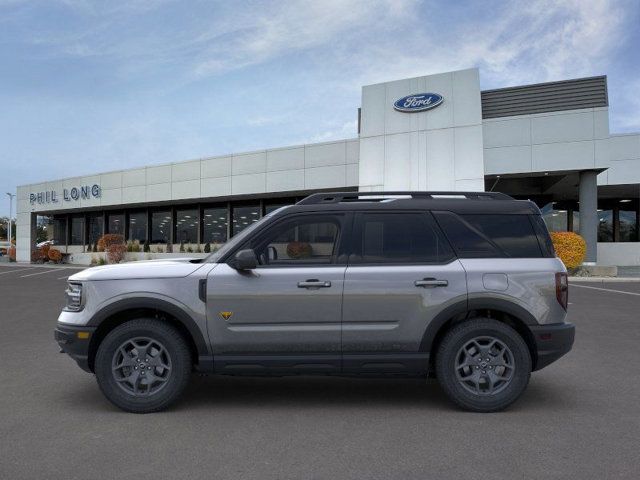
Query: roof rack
x=337, y=197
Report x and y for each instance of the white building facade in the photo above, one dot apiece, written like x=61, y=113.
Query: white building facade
x=548, y=142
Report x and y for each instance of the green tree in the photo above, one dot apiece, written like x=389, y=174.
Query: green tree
x=4, y=221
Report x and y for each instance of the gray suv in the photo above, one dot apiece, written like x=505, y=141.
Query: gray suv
x=464, y=287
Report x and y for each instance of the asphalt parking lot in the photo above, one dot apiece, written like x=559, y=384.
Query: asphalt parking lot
x=579, y=418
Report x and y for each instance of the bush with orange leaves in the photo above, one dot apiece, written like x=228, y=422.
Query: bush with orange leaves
x=570, y=248
x=54, y=255
x=116, y=252
x=109, y=239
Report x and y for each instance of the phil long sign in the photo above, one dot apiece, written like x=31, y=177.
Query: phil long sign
x=418, y=102
x=68, y=194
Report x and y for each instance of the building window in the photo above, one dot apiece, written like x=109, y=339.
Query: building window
x=60, y=230
x=605, y=225
x=115, y=223
x=77, y=230
x=275, y=205
x=44, y=228
x=555, y=217
x=96, y=227
x=215, y=222
x=138, y=227
x=160, y=226
x=187, y=226
x=243, y=217
x=628, y=221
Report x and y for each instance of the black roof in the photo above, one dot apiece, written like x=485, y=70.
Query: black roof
x=457, y=202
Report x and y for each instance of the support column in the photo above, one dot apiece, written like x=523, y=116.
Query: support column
x=588, y=197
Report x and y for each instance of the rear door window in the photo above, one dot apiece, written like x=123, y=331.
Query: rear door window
x=398, y=237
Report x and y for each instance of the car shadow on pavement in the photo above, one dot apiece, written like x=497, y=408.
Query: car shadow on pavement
x=219, y=392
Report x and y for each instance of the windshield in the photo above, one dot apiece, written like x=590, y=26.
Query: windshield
x=240, y=238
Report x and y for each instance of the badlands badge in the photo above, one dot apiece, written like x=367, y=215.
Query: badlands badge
x=226, y=315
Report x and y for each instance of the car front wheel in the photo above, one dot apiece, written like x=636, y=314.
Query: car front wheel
x=143, y=365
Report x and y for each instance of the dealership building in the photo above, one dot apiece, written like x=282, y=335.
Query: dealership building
x=548, y=142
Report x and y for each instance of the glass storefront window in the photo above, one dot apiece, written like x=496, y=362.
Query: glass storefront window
x=214, y=225
x=60, y=230
x=628, y=222
x=44, y=228
x=244, y=216
x=605, y=225
x=138, y=227
x=77, y=230
x=96, y=227
x=556, y=220
x=187, y=226
x=271, y=207
x=160, y=226
x=115, y=223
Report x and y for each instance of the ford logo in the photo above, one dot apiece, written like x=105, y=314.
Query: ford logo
x=418, y=102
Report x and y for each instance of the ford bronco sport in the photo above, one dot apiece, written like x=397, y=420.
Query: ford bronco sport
x=461, y=286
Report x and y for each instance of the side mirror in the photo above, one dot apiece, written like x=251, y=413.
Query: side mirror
x=245, y=260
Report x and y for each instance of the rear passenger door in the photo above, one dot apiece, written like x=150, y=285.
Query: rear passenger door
x=401, y=274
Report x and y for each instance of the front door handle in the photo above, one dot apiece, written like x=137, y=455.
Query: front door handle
x=431, y=283
x=314, y=283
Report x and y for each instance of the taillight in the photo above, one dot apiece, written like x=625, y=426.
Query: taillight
x=562, y=289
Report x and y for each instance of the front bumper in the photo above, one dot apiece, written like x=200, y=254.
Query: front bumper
x=552, y=342
x=75, y=341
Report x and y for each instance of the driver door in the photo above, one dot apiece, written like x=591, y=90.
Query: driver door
x=286, y=313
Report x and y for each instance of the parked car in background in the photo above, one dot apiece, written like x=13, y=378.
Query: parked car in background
x=465, y=287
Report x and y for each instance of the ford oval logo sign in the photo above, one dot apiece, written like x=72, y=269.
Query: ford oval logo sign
x=418, y=102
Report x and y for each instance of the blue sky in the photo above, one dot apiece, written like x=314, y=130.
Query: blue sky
x=91, y=86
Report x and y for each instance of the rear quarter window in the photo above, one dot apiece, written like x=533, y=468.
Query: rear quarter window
x=491, y=235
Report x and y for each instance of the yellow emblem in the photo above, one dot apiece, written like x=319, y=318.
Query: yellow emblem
x=226, y=315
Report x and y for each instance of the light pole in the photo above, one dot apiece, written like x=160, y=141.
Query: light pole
x=9, y=232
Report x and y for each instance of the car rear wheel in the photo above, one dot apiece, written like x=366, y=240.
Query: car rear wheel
x=483, y=365
x=143, y=365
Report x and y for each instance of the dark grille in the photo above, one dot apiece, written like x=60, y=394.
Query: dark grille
x=545, y=97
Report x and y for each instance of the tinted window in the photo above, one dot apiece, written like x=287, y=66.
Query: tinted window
x=138, y=226
x=160, y=226
x=243, y=217
x=215, y=221
x=115, y=223
x=544, y=239
x=398, y=238
x=467, y=241
x=77, y=231
x=302, y=241
x=96, y=224
x=187, y=226
x=513, y=234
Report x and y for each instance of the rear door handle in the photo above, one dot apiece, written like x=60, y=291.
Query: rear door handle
x=431, y=283
x=314, y=283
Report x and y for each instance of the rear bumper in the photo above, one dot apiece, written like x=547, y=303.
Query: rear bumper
x=74, y=345
x=552, y=342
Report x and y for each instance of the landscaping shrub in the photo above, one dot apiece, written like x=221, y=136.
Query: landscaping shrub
x=44, y=252
x=299, y=250
x=54, y=255
x=116, y=252
x=146, y=247
x=207, y=247
x=570, y=248
x=169, y=247
x=109, y=239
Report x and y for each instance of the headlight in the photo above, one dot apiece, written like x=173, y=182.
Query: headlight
x=74, y=297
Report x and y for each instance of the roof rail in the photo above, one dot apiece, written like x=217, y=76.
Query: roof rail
x=337, y=197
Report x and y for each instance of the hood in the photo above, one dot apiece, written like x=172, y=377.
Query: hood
x=174, y=268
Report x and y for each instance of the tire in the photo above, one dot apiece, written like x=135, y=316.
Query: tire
x=472, y=368
x=143, y=365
